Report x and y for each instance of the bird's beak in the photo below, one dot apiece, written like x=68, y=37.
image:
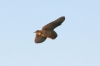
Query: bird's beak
x=34, y=32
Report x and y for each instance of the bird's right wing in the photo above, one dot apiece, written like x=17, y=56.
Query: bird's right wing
x=52, y=25
x=39, y=38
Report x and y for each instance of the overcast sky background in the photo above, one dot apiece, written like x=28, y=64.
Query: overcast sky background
x=78, y=41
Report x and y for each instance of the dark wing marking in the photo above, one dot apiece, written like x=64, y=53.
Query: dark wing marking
x=52, y=25
x=53, y=35
x=39, y=39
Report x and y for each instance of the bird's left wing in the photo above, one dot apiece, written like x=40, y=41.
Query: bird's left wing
x=39, y=38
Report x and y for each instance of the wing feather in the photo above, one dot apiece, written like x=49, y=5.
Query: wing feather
x=52, y=25
x=39, y=39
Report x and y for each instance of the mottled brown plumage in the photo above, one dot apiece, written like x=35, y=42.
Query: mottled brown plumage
x=48, y=30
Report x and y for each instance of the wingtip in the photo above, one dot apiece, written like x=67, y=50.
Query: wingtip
x=63, y=17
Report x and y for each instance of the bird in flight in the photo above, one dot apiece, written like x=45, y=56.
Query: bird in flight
x=48, y=30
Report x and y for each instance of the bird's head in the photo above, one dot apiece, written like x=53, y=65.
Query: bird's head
x=38, y=32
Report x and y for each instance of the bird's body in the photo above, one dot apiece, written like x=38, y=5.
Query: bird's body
x=48, y=30
x=47, y=33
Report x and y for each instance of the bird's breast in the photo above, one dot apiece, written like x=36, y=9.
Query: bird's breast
x=49, y=34
x=46, y=33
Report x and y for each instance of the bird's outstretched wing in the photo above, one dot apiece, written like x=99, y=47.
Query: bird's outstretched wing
x=39, y=39
x=52, y=25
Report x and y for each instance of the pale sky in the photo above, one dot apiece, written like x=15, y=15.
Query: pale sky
x=78, y=41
